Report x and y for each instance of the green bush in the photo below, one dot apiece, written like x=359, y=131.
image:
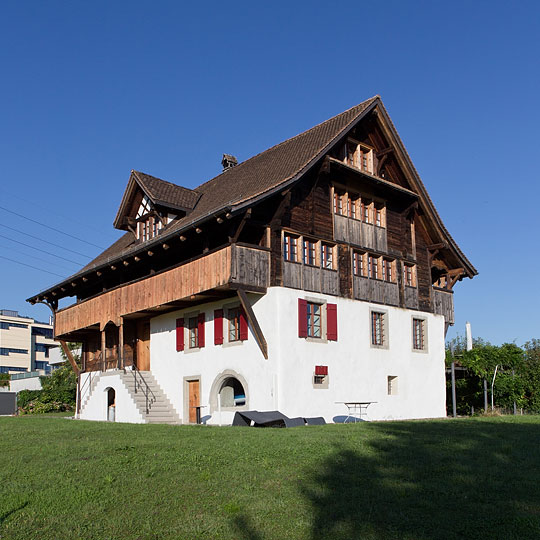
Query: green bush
x=59, y=391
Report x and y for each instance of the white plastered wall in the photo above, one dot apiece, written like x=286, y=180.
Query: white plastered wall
x=357, y=371
x=171, y=368
x=96, y=405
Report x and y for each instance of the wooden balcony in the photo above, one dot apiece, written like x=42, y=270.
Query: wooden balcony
x=443, y=304
x=359, y=233
x=224, y=269
x=310, y=278
x=372, y=290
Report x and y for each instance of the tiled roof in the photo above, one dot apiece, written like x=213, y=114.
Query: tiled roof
x=167, y=193
x=243, y=184
x=252, y=178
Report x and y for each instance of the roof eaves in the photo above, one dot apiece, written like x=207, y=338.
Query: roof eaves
x=430, y=206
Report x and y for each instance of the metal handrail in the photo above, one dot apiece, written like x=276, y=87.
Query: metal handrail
x=147, y=390
x=87, y=382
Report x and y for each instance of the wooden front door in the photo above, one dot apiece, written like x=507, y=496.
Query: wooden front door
x=143, y=346
x=194, y=400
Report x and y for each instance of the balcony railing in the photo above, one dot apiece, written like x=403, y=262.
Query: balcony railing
x=228, y=267
x=443, y=304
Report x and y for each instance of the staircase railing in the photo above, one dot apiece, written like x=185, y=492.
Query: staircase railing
x=85, y=390
x=142, y=385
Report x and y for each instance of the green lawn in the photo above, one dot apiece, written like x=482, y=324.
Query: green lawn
x=466, y=478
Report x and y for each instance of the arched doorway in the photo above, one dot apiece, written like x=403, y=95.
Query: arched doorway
x=229, y=392
x=111, y=405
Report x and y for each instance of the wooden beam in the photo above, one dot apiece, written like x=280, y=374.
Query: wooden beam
x=136, y=259
x=219, y=220
x=67, y=352
x=241, y=225
x=385, y=151
x=182, y=238
x=434, y=247
x=121, y=344
x=125, y=263
x=165, y=246
x=259, y=336
x=103, y=350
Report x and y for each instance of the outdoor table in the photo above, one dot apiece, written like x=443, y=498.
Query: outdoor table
x=356, y=410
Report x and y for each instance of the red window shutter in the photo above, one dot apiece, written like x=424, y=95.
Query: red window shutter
x=200, y=329
x=179, y=334
x=243, y=325
x=321, y=370
x=302, y=318
x=218, y=327
x=331, y=322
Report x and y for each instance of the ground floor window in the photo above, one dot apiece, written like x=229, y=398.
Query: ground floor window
x=232, y=393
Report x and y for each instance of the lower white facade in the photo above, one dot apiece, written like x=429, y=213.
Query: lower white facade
x=357, y=370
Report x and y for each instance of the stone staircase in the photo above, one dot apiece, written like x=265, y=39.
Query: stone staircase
x=160, y=409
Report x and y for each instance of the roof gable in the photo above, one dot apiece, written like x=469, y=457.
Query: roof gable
x=158, y=192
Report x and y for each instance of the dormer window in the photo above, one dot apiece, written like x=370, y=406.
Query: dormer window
x=359, y=156
x=148, y=228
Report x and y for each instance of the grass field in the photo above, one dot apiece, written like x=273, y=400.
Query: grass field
x=470, y=478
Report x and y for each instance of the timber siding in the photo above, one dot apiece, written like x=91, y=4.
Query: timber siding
x=233, y=264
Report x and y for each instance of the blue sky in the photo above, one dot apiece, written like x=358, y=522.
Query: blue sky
x=91, y=90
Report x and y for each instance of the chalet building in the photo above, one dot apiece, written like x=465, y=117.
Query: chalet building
x=315, y=273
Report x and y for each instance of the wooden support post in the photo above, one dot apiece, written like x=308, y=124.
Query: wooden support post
x=259, y=336
x=121, y=344
x=103, y=351
x=67, y=352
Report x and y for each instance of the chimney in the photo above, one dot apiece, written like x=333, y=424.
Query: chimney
x=228, y=162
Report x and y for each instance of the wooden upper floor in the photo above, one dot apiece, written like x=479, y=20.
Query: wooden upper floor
x=338, y=209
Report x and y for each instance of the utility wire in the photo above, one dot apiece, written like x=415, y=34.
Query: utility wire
x=12, y=249
x=70, y=218
x=42, y=240
x=42, y=250
x=49, y=227
x=30, y=266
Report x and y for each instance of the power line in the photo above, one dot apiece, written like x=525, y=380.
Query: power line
x=49, y=227
x=38, y=249
x=12, y=249
x=42, y=240
x=70, y=218
x=30, y=266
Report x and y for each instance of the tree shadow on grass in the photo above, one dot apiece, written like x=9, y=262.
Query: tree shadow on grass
x=430, y=481
x=5, y=515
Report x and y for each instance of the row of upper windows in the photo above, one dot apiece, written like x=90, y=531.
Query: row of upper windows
x=361, y=208
x=382, y=268
x=308, y=251
x=8, y=325
x=190, y=329
x=316, y=320
x=7, y=369
x=319, y=321
x=45, y=332
x=6, y=351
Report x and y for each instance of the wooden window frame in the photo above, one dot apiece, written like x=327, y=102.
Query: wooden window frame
x=326, y=250
x=379, y=335
x=311, y=317
x=309, y=251
x=233, y=320
x=359, y=269
x=409, y=275
x=290, y=247
x=193, y=332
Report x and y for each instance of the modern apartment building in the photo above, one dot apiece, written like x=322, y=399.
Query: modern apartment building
x=25, y=344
